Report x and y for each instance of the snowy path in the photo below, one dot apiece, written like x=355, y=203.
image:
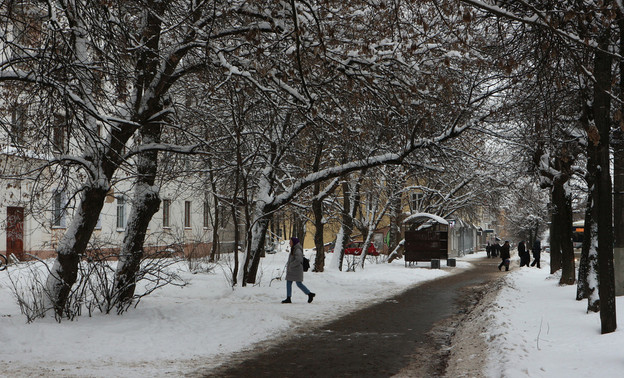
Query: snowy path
x=406, y=335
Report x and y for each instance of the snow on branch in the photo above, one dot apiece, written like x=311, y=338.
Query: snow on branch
x=369, y=162
x=539, y=19
x=186, y=150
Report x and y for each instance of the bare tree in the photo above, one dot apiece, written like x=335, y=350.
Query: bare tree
x=566, y=27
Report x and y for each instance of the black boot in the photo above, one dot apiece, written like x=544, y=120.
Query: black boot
x=311, y=297
x=287, y=300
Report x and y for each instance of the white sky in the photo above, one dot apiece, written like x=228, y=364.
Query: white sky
x=537, y=330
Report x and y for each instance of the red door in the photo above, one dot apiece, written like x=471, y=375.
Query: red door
x=15, y=232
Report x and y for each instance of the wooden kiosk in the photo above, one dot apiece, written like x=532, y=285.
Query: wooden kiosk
x=426, y=239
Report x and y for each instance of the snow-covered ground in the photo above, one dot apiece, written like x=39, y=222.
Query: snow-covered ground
x=537, y=328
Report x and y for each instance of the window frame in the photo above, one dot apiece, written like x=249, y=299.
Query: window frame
x=166, y=213
x=206, y=214
x=59, y=209
x=187, y=214
x=121, y=217
x=416, y=199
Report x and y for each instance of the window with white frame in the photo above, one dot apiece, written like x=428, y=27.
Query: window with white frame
x=166, y=213
x=19, y=116
x=370, y=202
x=416, y=201
x=121, y=212
x=58, y=209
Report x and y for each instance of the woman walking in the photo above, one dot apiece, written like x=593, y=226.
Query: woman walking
x=294, y=271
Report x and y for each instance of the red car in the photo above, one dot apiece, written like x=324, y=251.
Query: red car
x=355, y=248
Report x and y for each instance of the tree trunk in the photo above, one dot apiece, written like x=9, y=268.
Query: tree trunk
x=146, y=203
x=583, y=288
x=236, y=244
x=561, y=248
x=317, y=211
x=618, y=205
x=75, y=240
x=618, y=178
x=593, y=276
x=395, y=199
x=298, y=229
x=602, y=187
x=351, y=205
x=235, y=203
x=590, y=238
x=582, y=284
x=73, y=244
x=365, y=245
x=319, y=228
x=215, y=248
x=568, y=269
x=216, y=219
x=555, y=226
x=347, y=222
x=258, y=236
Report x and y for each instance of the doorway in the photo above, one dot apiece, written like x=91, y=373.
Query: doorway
x=15, y=232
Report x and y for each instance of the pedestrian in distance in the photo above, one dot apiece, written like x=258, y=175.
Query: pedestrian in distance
x=294, y=271
x=488, y=250
x=496, y=249
x=525, y=258
x=505, y=255
x=537, y=248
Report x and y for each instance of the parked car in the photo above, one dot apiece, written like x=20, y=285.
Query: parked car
x=355, y=248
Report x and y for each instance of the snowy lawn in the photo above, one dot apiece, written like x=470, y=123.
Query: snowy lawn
x=177, y=330
x=534, y=328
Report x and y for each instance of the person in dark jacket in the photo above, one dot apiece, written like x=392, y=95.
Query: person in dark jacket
x=488, y=250
x=496, y=249
x=294, y=271
x=505, y=255
x=525, y=258
x=537, y=248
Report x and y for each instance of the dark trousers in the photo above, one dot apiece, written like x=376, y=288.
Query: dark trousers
x=525, y=259
x=503, y=264
x=536, y=256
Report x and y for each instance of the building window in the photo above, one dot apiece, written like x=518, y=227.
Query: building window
x=58, y=138
x=121, y=212
x=416, y=201
x=58, y=209
x=223, y=216
x=166, y=212
x=19, y=116
x=370, y=205
x=187, y=214
x=206, y=214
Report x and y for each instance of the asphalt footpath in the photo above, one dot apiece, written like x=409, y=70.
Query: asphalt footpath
x=412, y=331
